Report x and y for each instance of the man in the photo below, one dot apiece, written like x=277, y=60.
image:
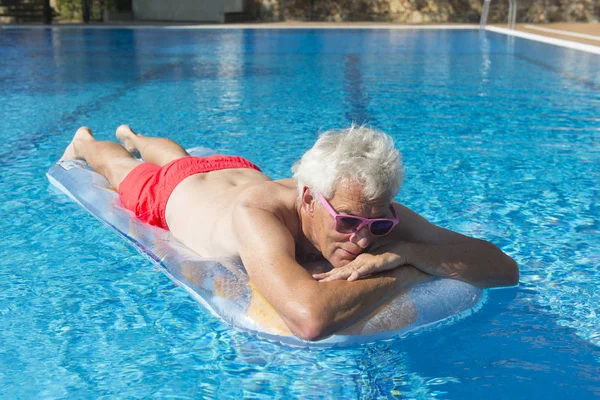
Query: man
x=338, y=207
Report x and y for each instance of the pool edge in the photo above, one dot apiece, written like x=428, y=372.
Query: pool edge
x=544, y=39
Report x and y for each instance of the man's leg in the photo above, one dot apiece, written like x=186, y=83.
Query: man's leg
x=158, y=151
x=109, y=159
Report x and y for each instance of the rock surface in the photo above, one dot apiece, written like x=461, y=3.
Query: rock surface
x=425, y=11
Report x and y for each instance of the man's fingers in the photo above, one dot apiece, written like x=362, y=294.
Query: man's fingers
x=339, y=275
x=354, y=276
x=325, y=275
x=332, y=278
x=350, y=272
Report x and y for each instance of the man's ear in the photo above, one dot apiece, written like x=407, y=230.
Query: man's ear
x=308, y=200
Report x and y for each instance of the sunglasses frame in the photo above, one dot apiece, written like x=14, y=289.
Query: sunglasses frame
x=363, y=221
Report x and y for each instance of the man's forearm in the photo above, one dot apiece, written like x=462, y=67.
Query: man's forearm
x=476, y=261
x=343, y=303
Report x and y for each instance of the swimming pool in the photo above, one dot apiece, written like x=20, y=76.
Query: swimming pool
x=500, y=140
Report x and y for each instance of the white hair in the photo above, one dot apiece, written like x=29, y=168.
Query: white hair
x=357, y=154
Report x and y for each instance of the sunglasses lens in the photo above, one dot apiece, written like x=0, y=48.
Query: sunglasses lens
x=347, y=224
x=379, y=228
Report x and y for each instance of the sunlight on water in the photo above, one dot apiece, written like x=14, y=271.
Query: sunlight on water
x=499, y=141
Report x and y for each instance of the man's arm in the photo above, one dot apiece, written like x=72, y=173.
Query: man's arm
x=311, y=310
x=436, y=251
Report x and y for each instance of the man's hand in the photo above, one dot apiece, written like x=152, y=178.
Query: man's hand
x=363, y=265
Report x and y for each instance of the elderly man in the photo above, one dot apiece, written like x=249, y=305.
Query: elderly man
x=338, y=207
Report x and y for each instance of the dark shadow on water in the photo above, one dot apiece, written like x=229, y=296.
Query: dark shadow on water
x=356, y=95
x=512, y=344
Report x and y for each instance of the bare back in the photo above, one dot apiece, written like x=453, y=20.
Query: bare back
x=199, y=211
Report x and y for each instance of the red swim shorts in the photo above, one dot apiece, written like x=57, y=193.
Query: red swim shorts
x=146, y=189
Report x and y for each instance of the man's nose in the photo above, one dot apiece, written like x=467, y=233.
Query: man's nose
x=362, y=238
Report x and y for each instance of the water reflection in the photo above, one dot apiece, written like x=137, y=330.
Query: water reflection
x=376, y=371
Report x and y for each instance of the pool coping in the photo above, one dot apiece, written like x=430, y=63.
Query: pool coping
x=577, y=35
x=241, y=26
x=509, y=32
x=544, y=39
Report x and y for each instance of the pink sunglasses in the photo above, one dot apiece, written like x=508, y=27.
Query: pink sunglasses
x=349, y=223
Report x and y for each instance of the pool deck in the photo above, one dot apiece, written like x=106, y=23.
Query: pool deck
x=582, y=33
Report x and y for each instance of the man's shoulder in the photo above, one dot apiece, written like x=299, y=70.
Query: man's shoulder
x=404, y=211
x=277, y=198
x=411, y=223
x=268, y=189
x=269, y=195
x=267, y=207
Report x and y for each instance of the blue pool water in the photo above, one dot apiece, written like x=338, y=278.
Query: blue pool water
x=501, y=140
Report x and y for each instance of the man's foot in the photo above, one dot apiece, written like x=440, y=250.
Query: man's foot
x=83, y=133
x=124, y=136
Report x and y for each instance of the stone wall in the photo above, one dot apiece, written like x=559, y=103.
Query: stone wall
x=424, y=11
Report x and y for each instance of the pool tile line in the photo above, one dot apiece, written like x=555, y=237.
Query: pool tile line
x=585, y=82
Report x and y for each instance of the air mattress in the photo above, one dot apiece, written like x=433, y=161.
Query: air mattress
x=222, y=285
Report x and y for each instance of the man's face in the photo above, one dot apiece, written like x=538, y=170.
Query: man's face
x=341, y=248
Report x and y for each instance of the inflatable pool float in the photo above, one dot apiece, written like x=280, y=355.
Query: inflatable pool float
x=222, y=285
